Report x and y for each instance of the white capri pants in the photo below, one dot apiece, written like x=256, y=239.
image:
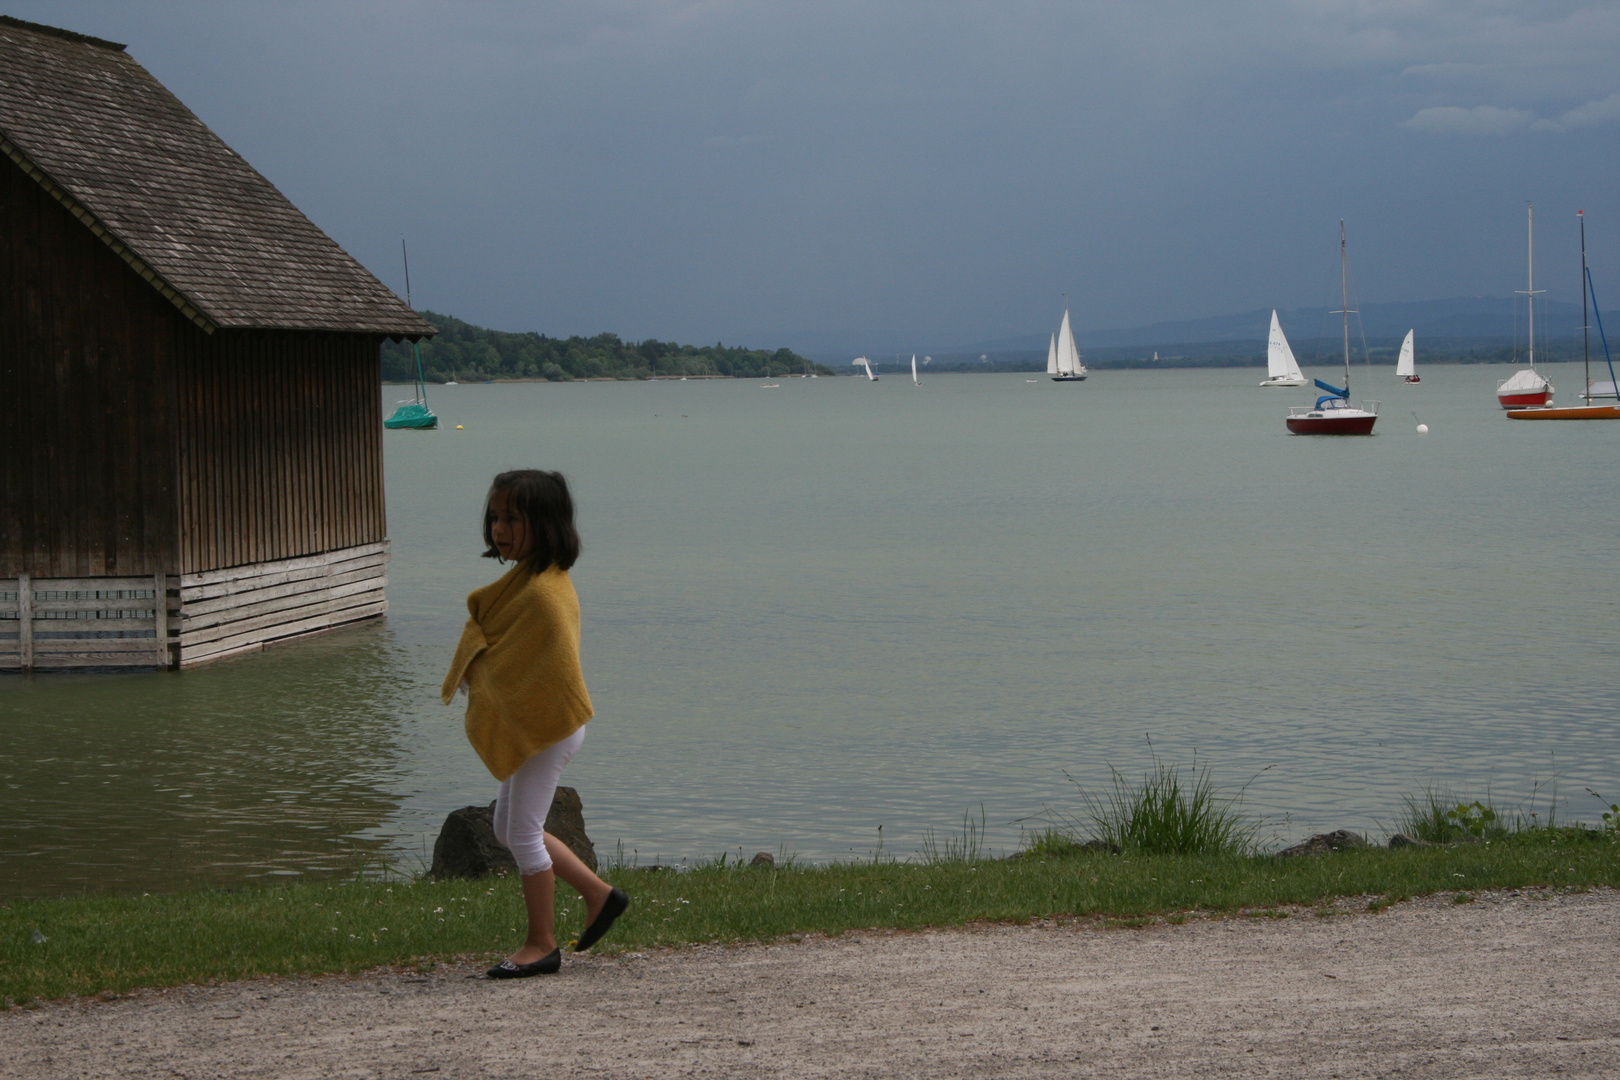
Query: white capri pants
x=524, y=801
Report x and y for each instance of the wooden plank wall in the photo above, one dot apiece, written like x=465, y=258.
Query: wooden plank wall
x=241, y=609
x=87, y=459
x=100, y=622
x=280, y=446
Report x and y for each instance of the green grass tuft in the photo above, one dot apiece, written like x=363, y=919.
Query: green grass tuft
x=1167, y=814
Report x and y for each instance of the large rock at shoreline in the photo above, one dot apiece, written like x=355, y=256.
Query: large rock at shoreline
x=467, y=848
x=1322, y=843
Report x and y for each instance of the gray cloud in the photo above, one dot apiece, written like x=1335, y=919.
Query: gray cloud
x=1480, y=120
x=1596, y=113
x=939, y=172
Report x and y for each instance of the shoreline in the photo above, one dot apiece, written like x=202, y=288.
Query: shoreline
x=92, y=945
x=1514, y=984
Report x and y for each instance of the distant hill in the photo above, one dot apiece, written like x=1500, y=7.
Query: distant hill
x=1473, y=317
x=471, y=353
x=1479, y=329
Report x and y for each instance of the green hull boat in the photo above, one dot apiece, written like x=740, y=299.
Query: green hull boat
x=412, y=414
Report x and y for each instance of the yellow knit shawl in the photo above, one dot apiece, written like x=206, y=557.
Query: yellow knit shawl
x=519, y=654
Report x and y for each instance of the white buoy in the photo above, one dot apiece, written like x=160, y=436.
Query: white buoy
x=1423, y=429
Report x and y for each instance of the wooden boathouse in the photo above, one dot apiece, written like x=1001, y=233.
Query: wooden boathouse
x=190, y=398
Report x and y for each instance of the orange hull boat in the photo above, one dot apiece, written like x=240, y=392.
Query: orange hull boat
x=1578, y=412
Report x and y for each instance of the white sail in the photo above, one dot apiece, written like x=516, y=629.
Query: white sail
x=915, y=381
x=863, y=362
x=1068, y=357
x=1404, y=367
x=1280, y=362
x=1051, y=357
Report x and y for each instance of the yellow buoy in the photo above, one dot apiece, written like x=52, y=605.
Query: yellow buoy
x=458, y=427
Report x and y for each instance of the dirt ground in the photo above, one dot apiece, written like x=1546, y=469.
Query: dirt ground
x=1516, y=984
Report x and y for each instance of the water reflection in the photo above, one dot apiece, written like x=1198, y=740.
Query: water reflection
x=282, y=763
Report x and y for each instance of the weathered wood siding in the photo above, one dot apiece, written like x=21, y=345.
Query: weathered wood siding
x=88, y=622
x=133, y=443
x=223, y=612
x=87, y=405
x=280, y=445
x=120, y=622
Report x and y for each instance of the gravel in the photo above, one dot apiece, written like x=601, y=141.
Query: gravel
x=1520, y=983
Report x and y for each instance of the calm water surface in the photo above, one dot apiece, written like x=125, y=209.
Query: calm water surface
x=831, y=606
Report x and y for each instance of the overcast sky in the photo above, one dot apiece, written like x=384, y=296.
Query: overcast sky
x=775, y=173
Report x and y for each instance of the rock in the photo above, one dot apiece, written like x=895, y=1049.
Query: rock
x=763, y=858
x=1400, y=840
x=467, y=848
x=1322, y=843
x=566, y=821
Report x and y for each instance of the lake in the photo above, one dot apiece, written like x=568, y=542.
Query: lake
x=831, y=607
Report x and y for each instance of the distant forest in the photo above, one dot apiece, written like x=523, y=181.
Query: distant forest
x=471, y=353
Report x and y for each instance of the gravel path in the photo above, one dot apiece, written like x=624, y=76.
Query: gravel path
x=1516, y=984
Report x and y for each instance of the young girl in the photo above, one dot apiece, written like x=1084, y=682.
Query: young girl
x=526, y=702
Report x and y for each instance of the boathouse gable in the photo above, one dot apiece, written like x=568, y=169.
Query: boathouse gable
x=190, y=420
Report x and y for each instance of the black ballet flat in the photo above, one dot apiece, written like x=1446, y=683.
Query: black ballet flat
x=612, y=908
x=549, y=964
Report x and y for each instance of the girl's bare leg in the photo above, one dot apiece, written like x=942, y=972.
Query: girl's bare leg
x=569, y=867
x=539, y=892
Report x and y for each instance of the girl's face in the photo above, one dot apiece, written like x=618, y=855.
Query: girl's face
x=508, y=528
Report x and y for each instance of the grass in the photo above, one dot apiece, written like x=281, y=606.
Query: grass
x=112, y=944
x=1165, y=814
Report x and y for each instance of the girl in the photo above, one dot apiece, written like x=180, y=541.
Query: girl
x=526, y=702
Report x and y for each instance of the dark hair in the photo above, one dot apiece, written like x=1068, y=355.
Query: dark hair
x=542, y=499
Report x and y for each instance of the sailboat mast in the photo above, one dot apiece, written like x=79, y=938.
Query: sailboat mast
x=1344, y=295
x=416, y=347
x=1530, y=273
x=1586, y=333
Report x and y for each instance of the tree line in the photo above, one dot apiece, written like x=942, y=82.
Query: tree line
x=469, y=353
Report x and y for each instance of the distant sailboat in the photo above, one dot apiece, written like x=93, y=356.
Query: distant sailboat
x=1281, y=367
x=861, y=361
x=1588, y=411
x=1526, y=386
x=1063, y=363
x=1406, y=367
x=914, y=380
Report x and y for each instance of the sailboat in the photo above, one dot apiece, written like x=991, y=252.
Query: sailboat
x=413, y=413
x=1281, y=367
x=1063, y=359
x=1593, y=390
x=914, y=380
x=1406, y=365
x=1526, y=386
x=861, y=361
x=1333, y=414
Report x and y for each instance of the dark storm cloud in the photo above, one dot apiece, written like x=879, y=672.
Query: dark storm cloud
x=765, y=172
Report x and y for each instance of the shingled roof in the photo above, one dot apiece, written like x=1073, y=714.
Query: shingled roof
x=98, y=132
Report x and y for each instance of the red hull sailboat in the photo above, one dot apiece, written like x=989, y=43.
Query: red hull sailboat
x=1527, y=388
x=1333, y=414
x=1588, y=411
